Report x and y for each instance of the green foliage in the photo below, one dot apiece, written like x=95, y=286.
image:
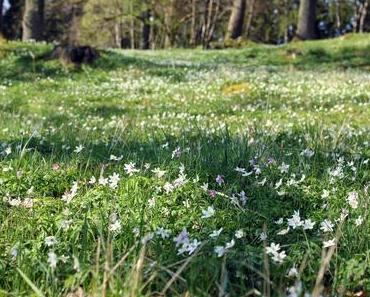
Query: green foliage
x=195, y=115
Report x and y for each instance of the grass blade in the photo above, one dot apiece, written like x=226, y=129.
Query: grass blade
x=30, y=283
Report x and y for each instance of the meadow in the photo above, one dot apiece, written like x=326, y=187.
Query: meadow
x=238, y=172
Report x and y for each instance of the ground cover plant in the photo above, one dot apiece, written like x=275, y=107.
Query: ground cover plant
x=186, y=172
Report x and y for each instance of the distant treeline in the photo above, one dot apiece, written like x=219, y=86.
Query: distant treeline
x=152, y=24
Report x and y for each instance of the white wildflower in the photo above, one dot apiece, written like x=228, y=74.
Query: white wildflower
x=52, y=260
x=278, y=184
x=308, y=224
x=243, y=197
x=230, y=244
x=219, y=250
x=158, y=172
x=79, y=149
x=15, y=202
x=325, y=194
x=69, y=195
x=359, y=221
x=293, y=272
x=273, y=248
x=204, y=187
x=115, y=158
x=352, y=199
x=92, y=180
x=209, y=212
x=114, y=180
x=284, y=168
x=216, y=233
x=295, y=221
x=280, y=221
x=176, y=153
x=151, y=202
x=283, y=231
x=329, y=243
x=163, y=233
x=326, y=226
x=76, y=264
x=263, y=236
x=239, y=234
x=8, y=151
x=130, y=168
x=103, y=181
x=50, y=240
x=307, y=153
x=279, y=257
x=66, y=224
x=115, y=227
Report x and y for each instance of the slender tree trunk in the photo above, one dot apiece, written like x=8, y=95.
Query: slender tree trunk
x=251, y=5
x=208, y=5
x=338, y=20
x=132, y=26
x=117, y=34
x=363, y=14
x=286, y=18
x=213, y=20
x=152, y=33
x=307, y=20
x=207, y=23
x=236, y=21
x=118, y=25
x=169, y=39
x=193, y=33
x=203, y=32
x=132, y=33
x=33, y=20
x=145, y=42
x=1, y=16
x=356, y=17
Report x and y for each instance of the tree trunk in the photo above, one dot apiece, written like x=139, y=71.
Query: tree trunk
x=206, y=33
x=193, y=33
x=132, y=26
x=363, y=14
x=33, y=20
x=1, y=16
x=338, y=20
x=307, y=20
x=74, y=30
x=213, y=20
x=169, y=20
x=250, y=16
x=145, y=41
x=236, y=21
x=203, y=32
x=117, y=35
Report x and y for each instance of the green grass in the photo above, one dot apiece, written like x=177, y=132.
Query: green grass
x=196, y=115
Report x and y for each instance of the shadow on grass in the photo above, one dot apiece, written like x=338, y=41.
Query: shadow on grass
x=26, y=64
x=345, y=58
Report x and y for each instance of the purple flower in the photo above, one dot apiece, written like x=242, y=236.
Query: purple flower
x=220, y=180
x=182, y=238
x=270, y=161
x=212, y=193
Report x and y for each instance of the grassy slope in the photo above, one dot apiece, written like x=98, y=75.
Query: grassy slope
x=254, y=108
